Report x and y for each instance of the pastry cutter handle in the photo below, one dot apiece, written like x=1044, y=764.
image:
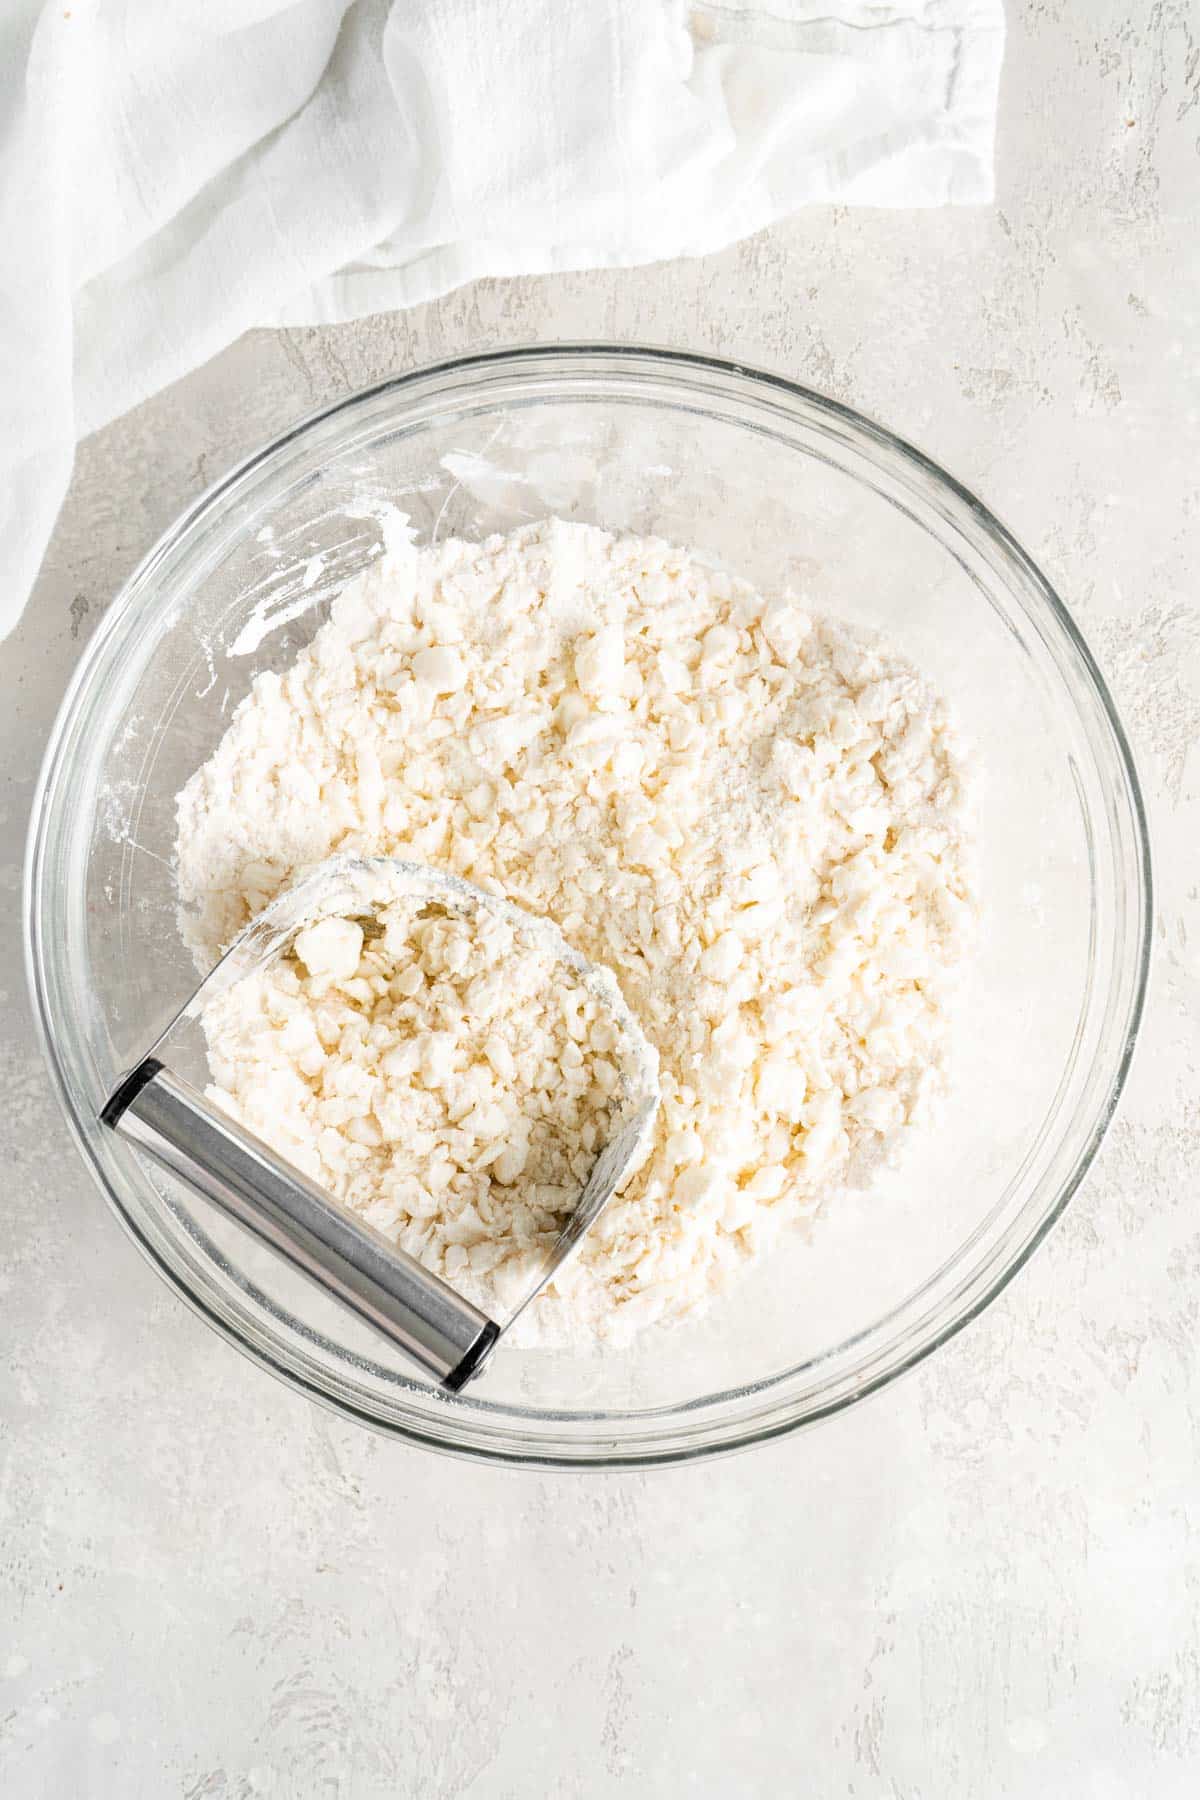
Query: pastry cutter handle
x=176, y=1124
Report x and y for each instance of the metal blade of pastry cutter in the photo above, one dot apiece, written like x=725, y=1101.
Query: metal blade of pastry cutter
x=608, y=1171
x=177, y=1124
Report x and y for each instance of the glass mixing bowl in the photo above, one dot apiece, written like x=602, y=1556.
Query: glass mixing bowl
x=784, y=487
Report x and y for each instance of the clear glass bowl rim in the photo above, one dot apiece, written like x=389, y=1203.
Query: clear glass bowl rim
x=591, y=364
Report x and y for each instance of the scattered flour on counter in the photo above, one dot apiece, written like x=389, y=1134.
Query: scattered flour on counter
x=753, y=817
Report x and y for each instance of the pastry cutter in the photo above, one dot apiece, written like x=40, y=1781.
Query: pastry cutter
x=166, y=1115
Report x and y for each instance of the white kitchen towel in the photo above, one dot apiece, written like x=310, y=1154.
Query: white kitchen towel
x=172, y=174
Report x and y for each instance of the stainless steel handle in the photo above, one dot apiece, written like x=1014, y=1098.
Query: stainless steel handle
x=174, y=1122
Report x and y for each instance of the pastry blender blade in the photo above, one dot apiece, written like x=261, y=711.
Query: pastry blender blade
x=171, y=1119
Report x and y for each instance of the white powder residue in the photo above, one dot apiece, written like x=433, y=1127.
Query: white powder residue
x=753, y=817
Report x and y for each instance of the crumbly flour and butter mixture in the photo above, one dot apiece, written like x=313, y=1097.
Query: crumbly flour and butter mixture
x=753, y=817
x=444, y=1072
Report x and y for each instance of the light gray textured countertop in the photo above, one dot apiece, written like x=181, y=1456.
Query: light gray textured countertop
x=985, y=1583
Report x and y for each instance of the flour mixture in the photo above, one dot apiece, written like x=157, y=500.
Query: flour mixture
x=753, y=817
x=444, y=1071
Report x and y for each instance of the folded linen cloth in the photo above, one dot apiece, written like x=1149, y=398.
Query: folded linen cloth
x=173, y=175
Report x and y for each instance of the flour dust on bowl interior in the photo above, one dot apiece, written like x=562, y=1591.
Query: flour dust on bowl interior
x=786, y=489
